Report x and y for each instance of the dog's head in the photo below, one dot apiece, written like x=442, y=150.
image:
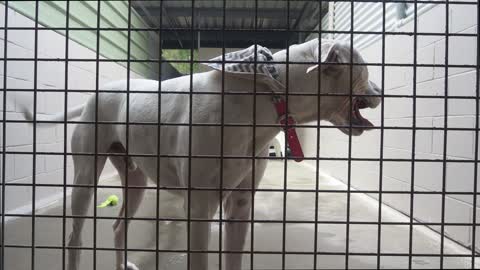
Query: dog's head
x=345, y=87
x=341, y=77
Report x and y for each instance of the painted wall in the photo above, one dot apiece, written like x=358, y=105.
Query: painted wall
x=429, y=113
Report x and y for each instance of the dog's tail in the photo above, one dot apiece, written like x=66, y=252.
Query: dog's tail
x=58, y=117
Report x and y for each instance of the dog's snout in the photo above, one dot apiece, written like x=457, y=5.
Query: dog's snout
x=374, y=88
x=374, y=91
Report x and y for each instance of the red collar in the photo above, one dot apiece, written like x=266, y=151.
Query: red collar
x=288, y=124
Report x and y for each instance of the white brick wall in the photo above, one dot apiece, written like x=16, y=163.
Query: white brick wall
x=81, y=75
x=429, y=113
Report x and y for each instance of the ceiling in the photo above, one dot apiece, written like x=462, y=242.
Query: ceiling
x=277, y=21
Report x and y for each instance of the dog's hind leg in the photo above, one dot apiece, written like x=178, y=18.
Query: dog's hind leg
x=84, y=158
x=81, y=198
x=137, y=179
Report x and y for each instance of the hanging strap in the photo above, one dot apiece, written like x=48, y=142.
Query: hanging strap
x=288, y=124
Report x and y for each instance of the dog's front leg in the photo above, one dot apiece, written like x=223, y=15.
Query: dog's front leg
x=238, y=207
x=203, y=206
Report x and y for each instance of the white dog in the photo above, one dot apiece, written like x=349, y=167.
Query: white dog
x=202, y=145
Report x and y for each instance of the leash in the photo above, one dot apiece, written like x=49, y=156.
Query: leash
x=288, y=124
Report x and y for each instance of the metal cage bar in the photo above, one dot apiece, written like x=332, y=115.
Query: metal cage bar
x=65, y=139
x=476, y=151
x=382, y=123
x=4, y=132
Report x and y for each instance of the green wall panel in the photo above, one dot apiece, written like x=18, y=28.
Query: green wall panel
x=113, y=43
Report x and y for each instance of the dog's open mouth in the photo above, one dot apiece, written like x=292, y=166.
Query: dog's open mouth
x=357, y=119
x=359, y=123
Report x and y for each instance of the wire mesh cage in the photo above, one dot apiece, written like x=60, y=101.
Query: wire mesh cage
x=256, y=134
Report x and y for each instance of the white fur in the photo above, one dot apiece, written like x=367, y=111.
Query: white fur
x=205, y=141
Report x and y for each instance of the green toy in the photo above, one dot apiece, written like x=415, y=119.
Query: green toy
x=112, y=200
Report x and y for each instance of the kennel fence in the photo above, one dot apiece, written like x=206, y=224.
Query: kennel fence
x=192, y=35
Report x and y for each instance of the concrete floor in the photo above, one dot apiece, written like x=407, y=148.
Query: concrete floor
x=267, y=236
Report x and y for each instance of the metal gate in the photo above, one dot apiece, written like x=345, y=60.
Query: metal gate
x=403, y=195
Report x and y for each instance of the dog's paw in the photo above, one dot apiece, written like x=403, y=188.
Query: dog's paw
x=130, y=266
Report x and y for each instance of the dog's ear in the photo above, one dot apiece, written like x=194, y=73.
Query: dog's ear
x=330, y=52
x=242, y=64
